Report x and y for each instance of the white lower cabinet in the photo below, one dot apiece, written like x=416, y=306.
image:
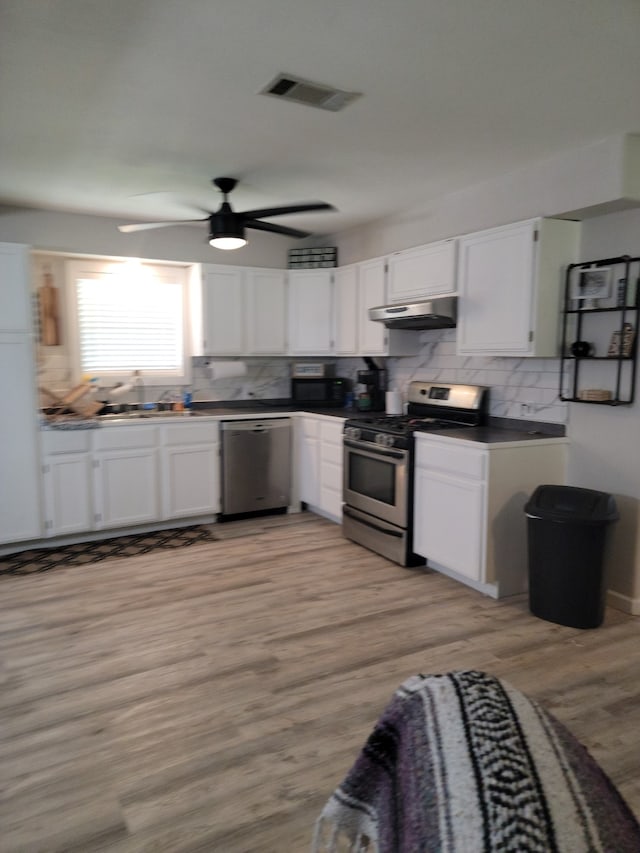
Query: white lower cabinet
x=67, y=475
x=469, y=518
x=190, y=464
x=126, y=487
x=319, y=464
x=331, y=468
x=308, y=460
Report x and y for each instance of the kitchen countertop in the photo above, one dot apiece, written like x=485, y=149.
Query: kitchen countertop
x=494, y=436
x=268, y=411
x=499, y=431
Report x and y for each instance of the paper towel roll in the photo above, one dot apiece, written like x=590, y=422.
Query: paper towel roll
x=393, y=402
x=227, y=369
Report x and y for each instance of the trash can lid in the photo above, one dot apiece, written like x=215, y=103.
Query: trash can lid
x=569, y=503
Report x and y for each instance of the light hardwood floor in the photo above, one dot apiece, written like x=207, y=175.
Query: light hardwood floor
x=211, y=698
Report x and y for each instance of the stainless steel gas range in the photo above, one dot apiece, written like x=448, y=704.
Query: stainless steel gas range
x=378, y=464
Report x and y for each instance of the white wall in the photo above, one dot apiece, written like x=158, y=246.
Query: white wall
x=604, y=440
x=96, y=235
x=574, y=184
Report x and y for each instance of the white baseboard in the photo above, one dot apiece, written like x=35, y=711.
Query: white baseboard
x=623, y=602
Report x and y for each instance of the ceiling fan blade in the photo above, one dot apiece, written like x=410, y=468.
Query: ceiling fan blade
x=275, y=229
x=289, y=208
x=147, y=226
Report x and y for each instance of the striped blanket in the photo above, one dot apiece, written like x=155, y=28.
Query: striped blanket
x=464, y=763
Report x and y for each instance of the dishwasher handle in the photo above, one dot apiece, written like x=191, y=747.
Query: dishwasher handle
x=254, y=425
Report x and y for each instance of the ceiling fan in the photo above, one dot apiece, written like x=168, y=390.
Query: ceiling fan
x=226, y=228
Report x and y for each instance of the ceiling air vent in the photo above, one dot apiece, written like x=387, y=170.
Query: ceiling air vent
x=305, y=92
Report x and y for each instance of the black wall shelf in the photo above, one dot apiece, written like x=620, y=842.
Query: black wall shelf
x=583, y=323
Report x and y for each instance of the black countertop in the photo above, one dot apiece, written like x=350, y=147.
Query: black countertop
x=265, y=408
x=493, y=434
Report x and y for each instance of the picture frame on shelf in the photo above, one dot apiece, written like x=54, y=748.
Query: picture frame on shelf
x=591, y=284
x=621, y=343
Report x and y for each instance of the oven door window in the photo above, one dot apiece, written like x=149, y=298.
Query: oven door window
x=373, y=478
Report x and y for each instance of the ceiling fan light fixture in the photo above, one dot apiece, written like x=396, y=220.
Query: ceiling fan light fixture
x=226, y=231
x=227, y=242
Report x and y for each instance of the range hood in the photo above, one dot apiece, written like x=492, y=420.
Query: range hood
x=439, y=312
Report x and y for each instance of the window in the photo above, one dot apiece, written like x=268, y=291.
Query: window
x=128, y=316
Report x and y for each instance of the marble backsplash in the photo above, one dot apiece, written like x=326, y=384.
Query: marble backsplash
x=525, y=388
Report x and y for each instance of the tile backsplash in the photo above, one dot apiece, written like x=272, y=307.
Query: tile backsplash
x=524, y=388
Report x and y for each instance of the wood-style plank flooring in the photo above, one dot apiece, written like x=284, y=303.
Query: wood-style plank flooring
x=210, y=699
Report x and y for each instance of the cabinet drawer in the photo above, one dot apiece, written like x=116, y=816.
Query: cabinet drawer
x=454, y=460
x=125, y=437
x=66, y=441
x=189, y=433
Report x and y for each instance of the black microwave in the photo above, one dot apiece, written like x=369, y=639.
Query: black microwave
x=318, y=391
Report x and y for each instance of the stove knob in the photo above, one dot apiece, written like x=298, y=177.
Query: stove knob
x=384, y=440
x=353, y=433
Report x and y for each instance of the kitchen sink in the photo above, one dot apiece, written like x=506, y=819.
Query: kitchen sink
x=147, y=415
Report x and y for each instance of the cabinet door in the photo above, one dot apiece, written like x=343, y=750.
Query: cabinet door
x=68, y=501
x=126, y=487
x=331, y=466
x=19, y=455
x=224, y=311
x=15, y=290
x=449, y=521
x=371, y=292
x=266, y=312
x=310, y=312
x=495, y=285
x=307, y=466
x=191, y=480
x=346, y=298
x=422, y=272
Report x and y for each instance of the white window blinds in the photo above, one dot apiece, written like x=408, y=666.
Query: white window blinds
x=130, y=319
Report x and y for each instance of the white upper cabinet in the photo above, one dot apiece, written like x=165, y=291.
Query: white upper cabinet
x=360, y=287
x=266, y=300
x=509, y=285
x=244, y=311
x=346, y=296
x=223, y=311
x=422, y=272
x=310, y=312
x=372, y=292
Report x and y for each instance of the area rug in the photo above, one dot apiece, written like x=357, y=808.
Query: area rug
x=40, y=560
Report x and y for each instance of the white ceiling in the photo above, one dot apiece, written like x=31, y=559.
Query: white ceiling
x=105, y=101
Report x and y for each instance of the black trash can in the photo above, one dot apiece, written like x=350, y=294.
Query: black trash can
x=567, y=530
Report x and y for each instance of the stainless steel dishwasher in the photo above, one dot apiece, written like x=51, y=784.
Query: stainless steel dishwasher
x=256, y=465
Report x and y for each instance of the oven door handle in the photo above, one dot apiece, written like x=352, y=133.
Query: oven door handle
x=364, y=447
x=360, y=520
